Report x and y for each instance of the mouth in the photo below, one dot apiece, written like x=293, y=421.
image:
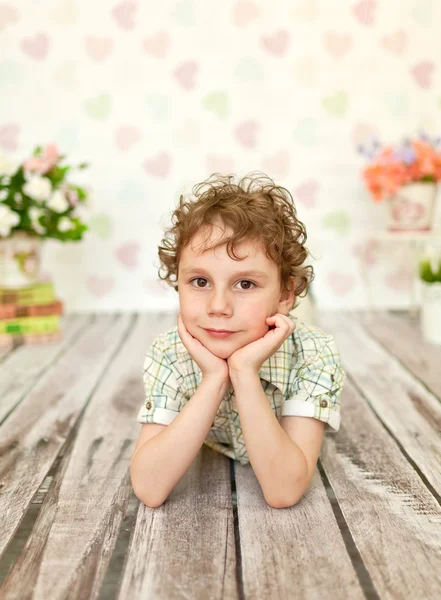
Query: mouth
x=220, y=333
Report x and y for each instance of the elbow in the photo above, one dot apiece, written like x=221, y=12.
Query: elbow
x=283, y=503
x=289, y=501
x=149, y=502
x=144, y=496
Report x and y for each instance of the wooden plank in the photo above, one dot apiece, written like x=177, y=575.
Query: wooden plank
x=21, y=369
x=35, y=432
x=298, y=548
x=401, y=335
x=392, y=516
x=186, y=548
x=410, y=412
x=73, y=538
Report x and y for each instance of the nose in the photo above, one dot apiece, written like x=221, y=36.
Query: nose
x=219, y=303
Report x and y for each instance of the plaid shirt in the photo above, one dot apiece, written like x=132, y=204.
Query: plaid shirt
x=303, y=377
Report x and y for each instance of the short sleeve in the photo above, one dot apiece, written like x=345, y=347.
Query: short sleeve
x=315, y=386
x=164, y=397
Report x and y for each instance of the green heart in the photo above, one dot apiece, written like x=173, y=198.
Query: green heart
x=131, y=191
x=305, y=132
x=397, y=105
x=422, y=12
x=67, y=136
x=101, y=225
x=10, y=72
x=158, y=104
x=99, y=107
x=337, y=104
x=249, y=69
x=184, y=12
x=217, y=102
x=339, y=221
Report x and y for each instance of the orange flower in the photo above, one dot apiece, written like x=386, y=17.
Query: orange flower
x=416, y=161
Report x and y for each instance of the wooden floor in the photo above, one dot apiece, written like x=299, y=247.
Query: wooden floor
x=71, y=526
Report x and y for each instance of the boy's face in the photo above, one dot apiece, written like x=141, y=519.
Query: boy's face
x=213, y=294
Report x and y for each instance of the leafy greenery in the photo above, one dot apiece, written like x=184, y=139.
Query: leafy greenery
x=41, y=215
x=427, y=274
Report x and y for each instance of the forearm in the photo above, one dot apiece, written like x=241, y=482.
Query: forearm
x=161, y=462
x=278, y=463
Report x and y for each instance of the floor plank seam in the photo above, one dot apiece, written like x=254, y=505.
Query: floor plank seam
x=409, y=459
x=36, y=503
x=360, y=568
x=399, y=361
x=239, y=573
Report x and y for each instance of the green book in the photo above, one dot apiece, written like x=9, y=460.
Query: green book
x=45, y=324
x=39, y=293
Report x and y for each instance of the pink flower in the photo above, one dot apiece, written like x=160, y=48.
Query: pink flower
x=72, y=196
x=43, y=163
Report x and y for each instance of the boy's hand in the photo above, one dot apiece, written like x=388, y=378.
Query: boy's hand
x=211, y=366
x=251, y=357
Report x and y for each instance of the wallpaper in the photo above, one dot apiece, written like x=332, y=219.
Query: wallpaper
x=158, y=96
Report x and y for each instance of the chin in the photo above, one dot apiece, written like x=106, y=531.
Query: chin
x=221, y=353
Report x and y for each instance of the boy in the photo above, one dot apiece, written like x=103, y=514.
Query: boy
x=239, y=373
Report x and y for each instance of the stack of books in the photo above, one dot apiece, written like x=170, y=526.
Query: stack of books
x=29, y=315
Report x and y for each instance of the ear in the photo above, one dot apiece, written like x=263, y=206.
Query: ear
x=287, y=299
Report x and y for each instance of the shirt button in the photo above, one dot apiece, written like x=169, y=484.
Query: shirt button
x=150, y=405
x=323, y=403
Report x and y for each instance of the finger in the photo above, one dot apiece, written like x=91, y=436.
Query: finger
x=279, y=320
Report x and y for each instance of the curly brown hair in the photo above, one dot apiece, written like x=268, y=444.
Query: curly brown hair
x=255, y=209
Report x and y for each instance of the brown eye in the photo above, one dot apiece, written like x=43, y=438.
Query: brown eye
x=247, y=282
x=199, y=279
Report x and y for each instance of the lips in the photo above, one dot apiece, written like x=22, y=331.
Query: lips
x=219, y=334
x=220, y=330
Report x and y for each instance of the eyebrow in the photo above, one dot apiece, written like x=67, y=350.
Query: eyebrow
x=250, y=272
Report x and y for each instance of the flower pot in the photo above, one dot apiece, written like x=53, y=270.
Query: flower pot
x=20, y=257
x=411, y=208
x=431, y=312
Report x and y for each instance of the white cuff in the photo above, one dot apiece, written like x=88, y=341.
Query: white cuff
x=303, y=408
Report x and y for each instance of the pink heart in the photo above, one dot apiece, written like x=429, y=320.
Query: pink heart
x=278, y=163
x=127, y=136
x=244, y=13
x=158, y=44
x=45, y=276
x=220, y=164
x=100, y=286
x=37, y=46
x=423, y=73
x=337, y=44
x=401, y=279
x=396, y=42
x=98, y=48
x=276, y=43
x=246, y=132
x=364, y=11
x=305, y=193
x=363, y=132
x=124, y=14
x=340, y=283
x=8, y=136
x=155, y=286
x=185, y=74
x=158, y=166
x=8, y=15
x=127, y=254
x=367, y=252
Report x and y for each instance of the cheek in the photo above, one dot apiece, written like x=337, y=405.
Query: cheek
x=255, y=317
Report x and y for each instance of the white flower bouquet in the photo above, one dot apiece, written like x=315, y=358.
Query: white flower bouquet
x=37, y=199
